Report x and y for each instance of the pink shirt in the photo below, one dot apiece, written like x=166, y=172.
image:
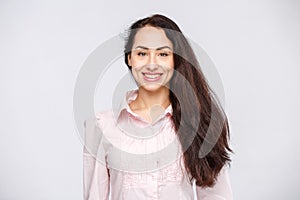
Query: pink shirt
x=125, y=157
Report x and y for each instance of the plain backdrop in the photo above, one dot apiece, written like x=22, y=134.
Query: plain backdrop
x=255, y=46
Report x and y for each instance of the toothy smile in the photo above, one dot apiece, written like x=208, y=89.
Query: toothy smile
x=152, y=76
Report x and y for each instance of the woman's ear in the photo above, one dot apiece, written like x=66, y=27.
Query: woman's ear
x=129, y=59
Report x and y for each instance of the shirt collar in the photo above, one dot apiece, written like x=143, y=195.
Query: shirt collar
x=130, y=96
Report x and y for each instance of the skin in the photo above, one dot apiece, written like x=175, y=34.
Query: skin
x=152, y=65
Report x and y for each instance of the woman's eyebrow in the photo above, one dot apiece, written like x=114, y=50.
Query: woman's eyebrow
x=159, y=48
x=164, y=47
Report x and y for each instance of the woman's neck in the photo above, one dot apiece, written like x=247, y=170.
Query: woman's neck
x=146, y=100
x=151, y=105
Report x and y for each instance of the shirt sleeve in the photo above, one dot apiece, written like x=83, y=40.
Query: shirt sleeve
x=220, y=191
x=96, y=183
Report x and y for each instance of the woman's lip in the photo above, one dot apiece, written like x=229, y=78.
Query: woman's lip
x=152, y=73
x=152, y=77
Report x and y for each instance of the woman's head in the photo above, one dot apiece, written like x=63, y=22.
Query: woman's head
x=151, y=58
x=149, y=50
x=159, y=31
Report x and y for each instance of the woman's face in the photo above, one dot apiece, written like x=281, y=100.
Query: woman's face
x=151, y=58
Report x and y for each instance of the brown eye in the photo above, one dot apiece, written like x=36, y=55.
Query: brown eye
x=141, y=54
x=163, y=54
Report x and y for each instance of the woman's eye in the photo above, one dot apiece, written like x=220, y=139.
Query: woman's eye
x=163, y=54
x=141, y=54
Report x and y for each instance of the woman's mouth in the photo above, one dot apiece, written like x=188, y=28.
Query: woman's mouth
x=149, y=76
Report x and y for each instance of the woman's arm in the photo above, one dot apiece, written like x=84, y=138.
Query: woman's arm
x=95, y=174
x=220, y=191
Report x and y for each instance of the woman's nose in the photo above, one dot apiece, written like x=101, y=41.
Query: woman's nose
x=152, y=62
x=152, y=59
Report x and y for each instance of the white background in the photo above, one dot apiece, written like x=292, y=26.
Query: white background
x=255, y=46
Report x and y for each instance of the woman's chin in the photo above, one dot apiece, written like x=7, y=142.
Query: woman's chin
x=152, y=87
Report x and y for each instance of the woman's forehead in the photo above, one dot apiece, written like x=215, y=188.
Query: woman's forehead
x=151, y=38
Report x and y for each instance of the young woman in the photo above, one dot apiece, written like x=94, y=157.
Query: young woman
x=189, y=132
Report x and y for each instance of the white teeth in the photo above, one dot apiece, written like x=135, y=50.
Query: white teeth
x=153, y=76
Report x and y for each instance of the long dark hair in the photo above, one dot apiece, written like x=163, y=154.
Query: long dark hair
x=206, y=107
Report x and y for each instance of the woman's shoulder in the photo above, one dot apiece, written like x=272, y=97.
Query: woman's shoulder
x=104, y=114
x=105, y=117
x=99, y=117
